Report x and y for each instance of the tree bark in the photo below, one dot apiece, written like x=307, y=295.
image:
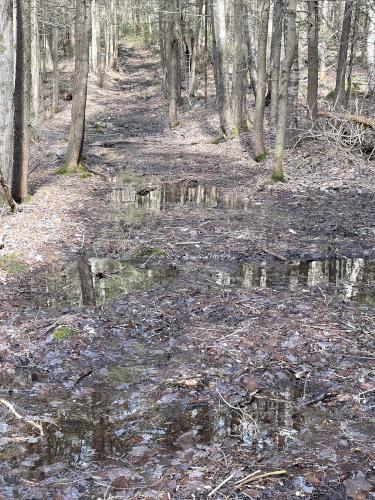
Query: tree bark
x=371, y=50
x=81, y=70
x=343, y=54
x=260, y=101
x=172, y=43
x=6, y=88
x=277, y=31
x=313, y=58
x=251, y=51
x=22, y=101
x=194, y=51
x=223, y=95
x=291, y=38
x=36, y=81
x=239, y=66
x=53, y=40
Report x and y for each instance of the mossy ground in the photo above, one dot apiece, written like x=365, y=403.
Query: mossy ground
x=77, y=170
x=278, y=177
x=12, y=264
x=62, y=333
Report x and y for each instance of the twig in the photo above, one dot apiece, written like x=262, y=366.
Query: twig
x=20, y=417
x=212, y=492
x=252, y=478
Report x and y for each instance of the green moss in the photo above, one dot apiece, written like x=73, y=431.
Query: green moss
x=147, y=252
x=218, y=139
x=62, y=333
x=278, y=177
x=175, y=124
x=28, y=199
x=261, y=157
x=77, y=170
x=12, y=264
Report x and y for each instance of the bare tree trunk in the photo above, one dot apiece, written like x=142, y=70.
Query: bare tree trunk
x=53, y=40
x=6, y=88
x=291, y=38
x=22, y=102
x=36, y=82
x=277, y=30
x=343, y=54
x=371, y=50
x=95, y=37
x=353, y=46
x=260, y=101
x=239, y=66
x=223, y=95
x=194, y=51
x=81, y=71
x=313, y=58
x=324, y=39
x=251, y=57
x=173, y=64
x=206, y=51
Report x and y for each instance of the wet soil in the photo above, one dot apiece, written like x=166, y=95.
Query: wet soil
x=175, y=320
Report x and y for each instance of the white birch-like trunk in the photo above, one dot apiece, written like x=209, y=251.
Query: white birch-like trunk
x=36, y=81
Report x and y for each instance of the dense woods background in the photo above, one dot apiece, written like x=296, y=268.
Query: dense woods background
x=306, y=69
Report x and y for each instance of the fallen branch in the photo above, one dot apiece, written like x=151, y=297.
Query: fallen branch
x=212, y=492
x=20, y=417
x=255, y=477
x=8, y=195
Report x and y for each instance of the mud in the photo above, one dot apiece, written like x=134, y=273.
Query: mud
x=202, y=322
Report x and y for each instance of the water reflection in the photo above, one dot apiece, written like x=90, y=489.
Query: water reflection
x=108, y=424
x=96, y=280
x=164, y=197
x=353, y=278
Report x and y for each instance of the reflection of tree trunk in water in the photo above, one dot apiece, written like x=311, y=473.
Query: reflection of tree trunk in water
x=87, y=284
x=304, y=271
x=99, y=410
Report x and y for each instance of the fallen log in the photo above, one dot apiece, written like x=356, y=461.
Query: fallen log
x=358, y=119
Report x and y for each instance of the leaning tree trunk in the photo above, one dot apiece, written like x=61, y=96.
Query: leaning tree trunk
x=22, y=101
x=239, y=67
x=312, y=58
x=260, y=101
x=371, y=50
x=6, y=88
x=223, y=95
x=291, y=38
x=81, y=71
x=343, y=54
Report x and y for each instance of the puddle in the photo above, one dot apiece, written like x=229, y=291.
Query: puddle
x=353, y=279
x=168, y=196
x=94, y=281
x=106, y=424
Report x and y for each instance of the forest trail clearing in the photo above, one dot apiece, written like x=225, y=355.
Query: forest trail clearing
x=234, y=320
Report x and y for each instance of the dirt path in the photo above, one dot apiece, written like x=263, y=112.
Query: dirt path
x=233, y=324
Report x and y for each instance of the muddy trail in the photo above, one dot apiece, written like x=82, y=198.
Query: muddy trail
x=174, y=326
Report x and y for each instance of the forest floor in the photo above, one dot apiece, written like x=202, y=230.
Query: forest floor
x=233, y=327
